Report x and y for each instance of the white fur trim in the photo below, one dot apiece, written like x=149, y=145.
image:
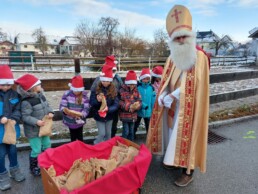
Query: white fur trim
x=115, y=62
x=183, y=55
x=155, y=75
x=37, y=83
x=182, y=33
x=102, y=74
x=144, y=76
x=114, y=68
x=6, y=81
x=131, y=82
x=106, y=79
x=76, y=89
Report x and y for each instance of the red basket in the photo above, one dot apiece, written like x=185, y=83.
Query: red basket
x=125, y=179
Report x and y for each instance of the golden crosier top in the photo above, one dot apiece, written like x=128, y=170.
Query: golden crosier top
x=179, y=18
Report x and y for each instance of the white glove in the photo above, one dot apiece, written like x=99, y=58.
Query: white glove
x=176, y=93
x=168, y=101
x=160, y=98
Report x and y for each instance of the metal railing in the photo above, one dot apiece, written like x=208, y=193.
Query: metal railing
x=37, y=62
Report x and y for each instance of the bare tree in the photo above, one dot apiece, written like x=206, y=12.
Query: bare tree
x=109, y=27
x=129, y=44
x=3, y=35
x=138, y=47
x=41, y=39
x=160, y=47
x=125, y=41
x=89, y=35
x=224, y=41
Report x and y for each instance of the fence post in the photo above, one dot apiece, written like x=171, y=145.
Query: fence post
x=77, y=67
x=149, y=62
x=119, y=63
x=32, y=63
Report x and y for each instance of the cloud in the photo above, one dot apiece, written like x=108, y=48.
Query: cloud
x=211, y=7
x=93, y=9
x=247, y=3
x=20, y=27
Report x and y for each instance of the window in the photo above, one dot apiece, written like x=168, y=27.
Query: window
x=36, y=47
x=25, y=46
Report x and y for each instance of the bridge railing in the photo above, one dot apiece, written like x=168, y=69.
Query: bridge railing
x=39, y=62
x=62, y=84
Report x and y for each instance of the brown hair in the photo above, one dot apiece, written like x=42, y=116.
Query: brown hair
x=79, y=99
x=112, y=93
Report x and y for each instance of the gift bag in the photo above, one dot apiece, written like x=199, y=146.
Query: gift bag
x=9, y=132
x=46, y=130
x=72, y=113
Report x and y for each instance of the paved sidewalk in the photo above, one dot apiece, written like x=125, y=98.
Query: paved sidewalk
x=231, y=167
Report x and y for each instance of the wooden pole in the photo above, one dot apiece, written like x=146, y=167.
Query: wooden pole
x=77, y=66
x=32, y=63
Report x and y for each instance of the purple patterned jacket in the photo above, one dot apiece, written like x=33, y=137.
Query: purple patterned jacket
x=68, y=101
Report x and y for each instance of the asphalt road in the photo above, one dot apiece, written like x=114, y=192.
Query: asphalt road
x=232, y=167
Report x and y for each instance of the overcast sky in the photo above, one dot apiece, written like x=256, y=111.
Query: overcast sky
x=60, y=17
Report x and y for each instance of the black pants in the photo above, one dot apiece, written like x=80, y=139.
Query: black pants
x=76, y=134
x=137, y=123
x=114, y=124
x=191, y=172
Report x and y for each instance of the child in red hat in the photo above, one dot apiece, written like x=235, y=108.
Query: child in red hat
x=117, y=81
x=104, y=102
x=75, y=107
x=34, y=107
x=129, y=104
x=148, y=95
x=156, y=75
x=10, y=109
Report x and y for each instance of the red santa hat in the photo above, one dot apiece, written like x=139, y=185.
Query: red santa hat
x=76, y=84
x=106, y=74
x=6, y=75
x=145, y=73
x=157, y=71
x=111, y=61
x=27, y=81
x=131, y=77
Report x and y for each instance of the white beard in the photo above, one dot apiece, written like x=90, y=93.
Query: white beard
x=183, y=55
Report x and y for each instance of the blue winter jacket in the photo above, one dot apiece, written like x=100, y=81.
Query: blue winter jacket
x=113, y=105
x=10, y=107
x=148, y=95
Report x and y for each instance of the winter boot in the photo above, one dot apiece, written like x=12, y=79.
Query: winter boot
x=5, y=182
x=35, y=170
x=16, y=174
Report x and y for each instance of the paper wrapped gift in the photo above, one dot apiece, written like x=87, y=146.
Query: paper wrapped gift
x=46, y=130
x=122, y=180
x=103, y=108
x=9, y=132
x=72, y=113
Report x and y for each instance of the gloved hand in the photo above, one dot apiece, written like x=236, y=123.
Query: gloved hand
x=161, y=98
x=176, y=93
x=168, y=100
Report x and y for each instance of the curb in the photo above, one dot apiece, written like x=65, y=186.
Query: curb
x=89, y=139
x=58, y=142
x=217, y=124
